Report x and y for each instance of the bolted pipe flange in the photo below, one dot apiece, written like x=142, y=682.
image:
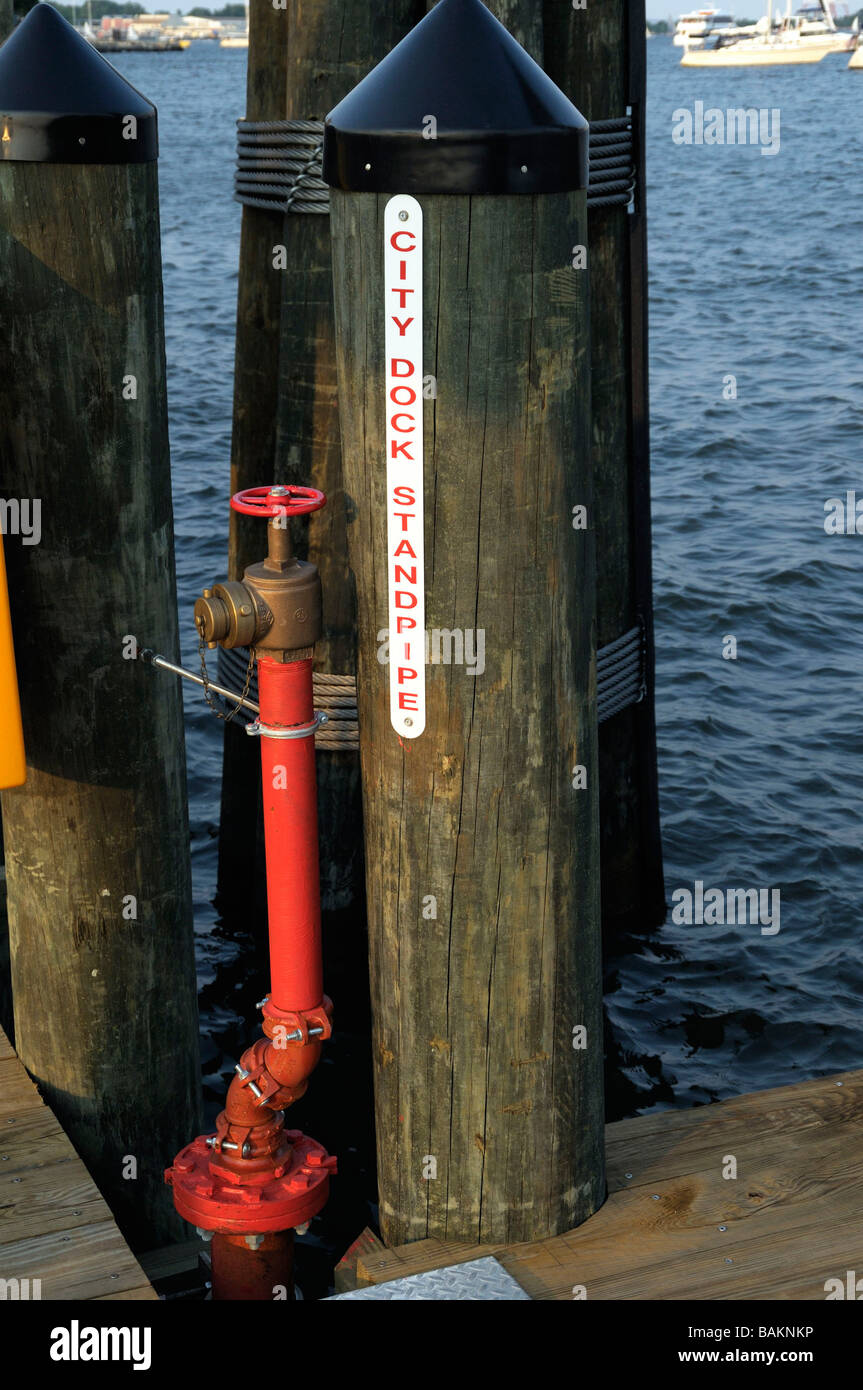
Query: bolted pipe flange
x=283, y=1199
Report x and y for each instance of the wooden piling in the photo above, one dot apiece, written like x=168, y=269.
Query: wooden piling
x=482, y=833
x=330, y=48
x=597, y=56
x=7, y=19
x=523, y=19
x=97, y=840
x=253, y=445
x=302, y=60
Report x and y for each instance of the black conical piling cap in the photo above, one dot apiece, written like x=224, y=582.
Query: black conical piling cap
x=456, y=107
x=62, y=103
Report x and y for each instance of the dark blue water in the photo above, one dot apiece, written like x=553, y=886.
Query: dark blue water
x=755, y=273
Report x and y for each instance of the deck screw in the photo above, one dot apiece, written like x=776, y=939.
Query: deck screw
x=115, y=1276
x=727, y=1261
x=403, y=217
x=16, y=1179
x=722, y=1228
x=5, y=1158
x=627, y=1175
x=77, y=1211
x=655, y=1197
x=840, y=1083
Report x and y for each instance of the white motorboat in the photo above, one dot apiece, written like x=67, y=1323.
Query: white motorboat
x=804, y=37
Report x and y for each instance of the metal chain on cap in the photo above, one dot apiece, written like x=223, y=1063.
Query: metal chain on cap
x=205, y=676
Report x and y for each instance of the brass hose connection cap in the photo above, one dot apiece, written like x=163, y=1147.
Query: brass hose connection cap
x=230, y=615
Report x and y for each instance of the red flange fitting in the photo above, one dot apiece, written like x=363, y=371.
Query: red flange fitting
x=289, y=1195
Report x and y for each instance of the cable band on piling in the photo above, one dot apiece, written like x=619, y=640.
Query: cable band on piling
x=279, y=165
x=619, y=683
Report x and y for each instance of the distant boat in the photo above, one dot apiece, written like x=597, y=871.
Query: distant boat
x=804, y=37
x=240, y=41
x=693, y=29
x=124, y=38
x=140, y=45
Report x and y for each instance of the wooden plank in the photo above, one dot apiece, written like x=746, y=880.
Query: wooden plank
x=37, y=1139
x=95, y=1263
x=59, y=1196
x=17, y=1093
x=678, y=1228
x=349, y=1273
x=54, y=1225
x=681, y=1140
x=172, y=1259
x=142, y=1294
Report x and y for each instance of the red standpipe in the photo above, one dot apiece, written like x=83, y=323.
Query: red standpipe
x=254, y=1181
x=291, y=838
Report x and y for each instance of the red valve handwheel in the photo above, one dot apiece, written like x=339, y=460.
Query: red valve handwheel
x=294, y=501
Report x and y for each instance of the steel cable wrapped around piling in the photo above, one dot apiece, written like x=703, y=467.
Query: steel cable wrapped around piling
x=279, y=165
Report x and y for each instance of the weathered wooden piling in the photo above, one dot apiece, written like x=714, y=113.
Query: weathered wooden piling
x=596, y=54
x=253, y=438
x=97, y=839
x=300, y=64
x=7, y=19
x=331, y=46
x=479, y=785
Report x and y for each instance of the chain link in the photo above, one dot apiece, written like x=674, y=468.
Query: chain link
x=205, y=676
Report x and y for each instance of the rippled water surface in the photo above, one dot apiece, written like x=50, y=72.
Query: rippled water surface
x=755, y=274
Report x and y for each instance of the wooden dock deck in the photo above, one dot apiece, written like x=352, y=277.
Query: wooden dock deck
x=54, y=1225
x=674, y=1227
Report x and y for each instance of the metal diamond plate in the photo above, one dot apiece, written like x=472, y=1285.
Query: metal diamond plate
x=484, y=1280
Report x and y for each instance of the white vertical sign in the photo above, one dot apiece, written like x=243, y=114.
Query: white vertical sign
x=403, y=289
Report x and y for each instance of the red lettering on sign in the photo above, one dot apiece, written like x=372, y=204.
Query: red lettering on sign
x=403, y=400
x=394, y=242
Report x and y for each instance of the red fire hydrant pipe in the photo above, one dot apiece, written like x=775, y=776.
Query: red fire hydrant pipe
x=254, y=1181
x=291, y=836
